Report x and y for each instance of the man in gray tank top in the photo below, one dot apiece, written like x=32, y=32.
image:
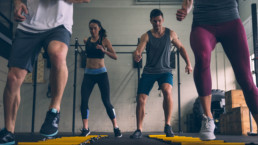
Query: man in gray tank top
x=157, y=42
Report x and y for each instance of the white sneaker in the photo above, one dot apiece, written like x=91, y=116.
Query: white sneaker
x=207, y=129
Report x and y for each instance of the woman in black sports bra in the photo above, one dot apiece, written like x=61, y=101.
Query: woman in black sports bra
x=95, y=72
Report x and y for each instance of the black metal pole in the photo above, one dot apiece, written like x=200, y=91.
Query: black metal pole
x=255, y=39
x=255, y=44
x=179, y=100
x=34, y=94
x=74, y=84
x=138, y=65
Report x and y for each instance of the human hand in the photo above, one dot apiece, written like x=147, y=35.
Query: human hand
x=137, y=56
x=188, y=69
x=101, y=48
x=20, y=9
x=181, y=14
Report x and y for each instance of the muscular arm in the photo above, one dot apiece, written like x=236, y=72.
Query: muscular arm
x=186, y=8
x=109, y=51
x=19, y=8
x=138, y=52
x=175, y=41
x=77, y=1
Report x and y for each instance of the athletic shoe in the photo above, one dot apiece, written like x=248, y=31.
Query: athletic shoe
x=85, y=132
x=50, y=126
x=117, y=132
x=136, y=135
x=6, y=137
x=207, y=129
x=168, y=131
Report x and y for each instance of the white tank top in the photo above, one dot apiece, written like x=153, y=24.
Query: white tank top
x=47, y=14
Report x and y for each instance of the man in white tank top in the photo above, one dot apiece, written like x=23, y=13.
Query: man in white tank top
x=47, y=24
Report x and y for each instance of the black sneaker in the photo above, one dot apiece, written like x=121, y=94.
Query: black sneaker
x=136, y=135
x=6, y=137
x=168, y=131
x=117, y=132
x=85, y=132
x=50, y=125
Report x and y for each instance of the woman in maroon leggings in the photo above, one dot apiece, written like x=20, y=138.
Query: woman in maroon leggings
x=217, y=21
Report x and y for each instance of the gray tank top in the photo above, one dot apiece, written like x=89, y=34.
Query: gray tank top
x=158, y=54
x=214, y=11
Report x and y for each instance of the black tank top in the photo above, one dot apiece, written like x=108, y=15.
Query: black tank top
x=214, y=11
x=158, y=54
x=92, y=51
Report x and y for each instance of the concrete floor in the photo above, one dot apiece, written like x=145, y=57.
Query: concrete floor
x=125, y=140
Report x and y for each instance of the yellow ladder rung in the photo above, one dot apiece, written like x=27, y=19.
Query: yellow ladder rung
x=154, y=136
x=207, y=143
x=48, y=143
x=64, y=140
x=191, y=141
x=180, y=140
x=175, y=137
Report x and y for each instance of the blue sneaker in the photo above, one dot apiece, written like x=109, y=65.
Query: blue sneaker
x=117, y=133
x=168, y=131
x=6, y=137
x=136, y=135
x=50, y=125
x=85, y=132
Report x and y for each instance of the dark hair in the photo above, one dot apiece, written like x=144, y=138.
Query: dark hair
x=155, y=13
x=102, y=32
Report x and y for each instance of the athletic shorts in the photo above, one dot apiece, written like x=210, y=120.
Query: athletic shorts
x=27, y=45
x=147, y=81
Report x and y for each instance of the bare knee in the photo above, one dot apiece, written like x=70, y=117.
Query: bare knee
x=141, y=99
x=167, y=91
x=15, y=77
x=58, y=60
x=57, y=52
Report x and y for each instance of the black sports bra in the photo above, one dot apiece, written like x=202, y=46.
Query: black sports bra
x=92, y=51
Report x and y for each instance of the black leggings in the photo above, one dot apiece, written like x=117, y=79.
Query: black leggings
x=88, y=83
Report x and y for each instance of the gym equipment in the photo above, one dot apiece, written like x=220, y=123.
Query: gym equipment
x=34, y=93
x=74, y=80
x=6, y=35
x=77, y=140
x=178, y=92
x=255, y=44
x=183, y=140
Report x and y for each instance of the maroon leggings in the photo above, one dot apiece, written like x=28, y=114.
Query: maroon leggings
x=233, y=39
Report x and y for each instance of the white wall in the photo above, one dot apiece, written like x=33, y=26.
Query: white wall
x=124, y=22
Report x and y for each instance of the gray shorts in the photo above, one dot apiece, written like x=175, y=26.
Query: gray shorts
x=26, y=46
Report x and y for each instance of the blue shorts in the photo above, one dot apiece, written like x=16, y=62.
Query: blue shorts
x=147, y=81
x=26, y=45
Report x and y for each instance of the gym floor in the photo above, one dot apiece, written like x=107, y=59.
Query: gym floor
x=125, y=140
